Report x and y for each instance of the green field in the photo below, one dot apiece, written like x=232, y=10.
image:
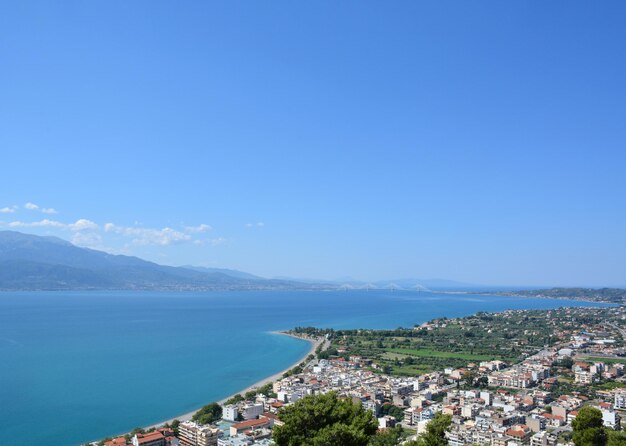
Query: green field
x=424, y=352
x=608, y=385
x=412, y=370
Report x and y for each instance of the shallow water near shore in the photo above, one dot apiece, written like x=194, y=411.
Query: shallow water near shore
x=78, y=366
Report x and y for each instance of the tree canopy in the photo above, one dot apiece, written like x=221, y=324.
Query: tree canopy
x=388, y=437
x=325, y=420
x=208, y=414
x=435, y=434
x=588, y=428
x=234, y=399
x=394, y=411
x=616, y=439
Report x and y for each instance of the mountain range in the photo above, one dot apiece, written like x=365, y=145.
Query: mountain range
x=32, y=262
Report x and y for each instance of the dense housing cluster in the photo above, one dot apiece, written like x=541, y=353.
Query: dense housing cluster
x=518, y=379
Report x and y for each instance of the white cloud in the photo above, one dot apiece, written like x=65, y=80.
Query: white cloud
x=34, y=207
x=198, y=229
x=88, y=239
x=38, y=224
x=88, y=233
x=259, y=224
x=213, y=242
x=218, y=241
x=7, y=210
x=82, y=225
x=148, y=236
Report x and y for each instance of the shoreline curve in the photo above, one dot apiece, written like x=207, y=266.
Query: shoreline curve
x=314, y=343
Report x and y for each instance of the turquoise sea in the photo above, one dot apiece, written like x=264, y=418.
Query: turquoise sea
x=78, y=366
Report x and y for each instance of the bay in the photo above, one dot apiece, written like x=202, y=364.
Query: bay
x=78, y=366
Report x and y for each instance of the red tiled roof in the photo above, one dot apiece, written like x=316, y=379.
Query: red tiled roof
x=250, y=423
x=149, y=437
x=550, y=416
x=270, y=415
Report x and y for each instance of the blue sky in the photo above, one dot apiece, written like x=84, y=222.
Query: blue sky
x=478, y=141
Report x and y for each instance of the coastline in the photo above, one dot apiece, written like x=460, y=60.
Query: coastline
x=524, y=296
x=314, y=343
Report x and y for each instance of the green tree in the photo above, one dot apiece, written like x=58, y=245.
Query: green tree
x=208, y=414
x=435, y=434
x=234, y=399
x=175, y=424
x=267, y=390
x=325, y=420
x=616, y=438
x=394, y=411
x=588, y=428
x=389, y=437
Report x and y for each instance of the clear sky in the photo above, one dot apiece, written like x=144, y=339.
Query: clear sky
x=478, y=141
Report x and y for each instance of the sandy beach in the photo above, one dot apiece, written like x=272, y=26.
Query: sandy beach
x=314, y=344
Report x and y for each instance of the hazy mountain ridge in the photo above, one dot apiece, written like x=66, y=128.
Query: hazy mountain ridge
x=229, y=272
x=30, y=262
x=401, y=284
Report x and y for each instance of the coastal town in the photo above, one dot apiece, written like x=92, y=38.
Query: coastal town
x=563, y=360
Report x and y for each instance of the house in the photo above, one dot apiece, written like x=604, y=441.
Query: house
x=251, y=411
x=520, y=433
x=386, y=422
x=611, y=419
x=553, y=420
x=543, y=439
x=536, y=424
x=155, y=438
x=250, y=425
x=230, y=413
x=619, y=401
x=583, y=377
x=194, y=434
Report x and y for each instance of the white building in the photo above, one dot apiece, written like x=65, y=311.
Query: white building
x=611, y=419
x=251, y=411
x=582, y=377
x=543, y=438
x=486, y=396
x=230, y=413
x=194, y=434
x=620, y=400
x=386, y=422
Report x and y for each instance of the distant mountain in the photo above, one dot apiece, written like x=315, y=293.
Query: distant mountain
x=304, y=279
x=229, y=272
x=30, y=262
x=612, y=295
x=433, y=284
x=348, y=283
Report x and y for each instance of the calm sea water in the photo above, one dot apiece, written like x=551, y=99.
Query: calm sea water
x=79, y=366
